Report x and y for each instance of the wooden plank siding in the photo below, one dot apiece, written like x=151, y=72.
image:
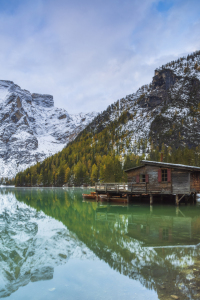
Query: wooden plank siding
x=156, y=178
x=180, y=182
x=152, y=186
x=195, y=182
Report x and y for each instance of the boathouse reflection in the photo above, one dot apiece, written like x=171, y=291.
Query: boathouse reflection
x=159, y=247
x=154, y=230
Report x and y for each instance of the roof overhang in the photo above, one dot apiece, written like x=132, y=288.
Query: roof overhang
x=134, y=168
x=166, y=165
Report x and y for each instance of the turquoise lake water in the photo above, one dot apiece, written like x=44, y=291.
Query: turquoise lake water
x=54, y=245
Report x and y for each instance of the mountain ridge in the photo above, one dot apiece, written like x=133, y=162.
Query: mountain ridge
x=164, y=114
x=32, y=128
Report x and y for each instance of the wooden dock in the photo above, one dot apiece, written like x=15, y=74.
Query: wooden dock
x=153, y=179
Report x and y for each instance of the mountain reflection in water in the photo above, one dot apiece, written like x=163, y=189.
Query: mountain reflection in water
x=32, y=244
x=159, y=247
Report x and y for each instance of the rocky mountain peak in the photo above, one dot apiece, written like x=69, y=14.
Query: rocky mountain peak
x=32, y=128
x=43, y=100
x=165, y=111
x=164, y=79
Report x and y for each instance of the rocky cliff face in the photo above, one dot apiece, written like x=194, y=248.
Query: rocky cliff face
x=167, y=110
x=31, y=128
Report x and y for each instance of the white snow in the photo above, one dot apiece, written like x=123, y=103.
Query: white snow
x=31, y=131
x=3, y=94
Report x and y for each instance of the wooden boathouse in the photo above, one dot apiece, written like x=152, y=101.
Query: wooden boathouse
x=155, y=179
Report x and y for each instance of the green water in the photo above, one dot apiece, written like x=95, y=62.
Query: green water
x=54, y=245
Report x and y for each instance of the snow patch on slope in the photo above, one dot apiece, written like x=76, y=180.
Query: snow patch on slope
x=32, y=128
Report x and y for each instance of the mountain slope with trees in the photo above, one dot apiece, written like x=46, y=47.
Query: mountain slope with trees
x=164, y=115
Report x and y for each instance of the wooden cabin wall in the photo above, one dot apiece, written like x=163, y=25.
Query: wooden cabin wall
x=138, y=187
x=195, y=182
x=154, y=185
x=133, y=173
x=180, y=182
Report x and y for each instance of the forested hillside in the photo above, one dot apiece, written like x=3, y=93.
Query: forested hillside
x=162, y=116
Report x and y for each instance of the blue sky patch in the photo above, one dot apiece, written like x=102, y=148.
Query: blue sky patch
x=164, y=6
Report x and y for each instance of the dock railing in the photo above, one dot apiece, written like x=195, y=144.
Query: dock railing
x=121, y=187
x=112, y=187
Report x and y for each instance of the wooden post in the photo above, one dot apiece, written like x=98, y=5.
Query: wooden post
x=97, y=197
x=151, y=199
x=108, y=197
x=177, y=202
x=186, y=200
x=151, y=209
x=195, y=197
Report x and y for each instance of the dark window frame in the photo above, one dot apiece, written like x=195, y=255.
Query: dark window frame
x=164, y=176
x=142, y=178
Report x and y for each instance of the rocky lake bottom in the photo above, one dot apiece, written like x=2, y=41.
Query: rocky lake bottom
x=55, y=245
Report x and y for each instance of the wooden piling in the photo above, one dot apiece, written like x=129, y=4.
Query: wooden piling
x=97, y=197
x=195, y=197
x=128, y=198
x=161, y=198
x=177, y=201
x=151, y=199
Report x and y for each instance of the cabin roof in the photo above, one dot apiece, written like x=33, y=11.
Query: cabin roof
x=166, y=165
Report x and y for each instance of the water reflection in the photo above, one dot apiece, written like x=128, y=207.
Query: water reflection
x=159, y=247
x=32, y=244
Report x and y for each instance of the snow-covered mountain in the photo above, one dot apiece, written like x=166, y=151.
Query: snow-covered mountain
x=32, y=128
x=167, y=110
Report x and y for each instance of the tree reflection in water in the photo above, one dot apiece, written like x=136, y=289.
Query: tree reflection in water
x=159, y=247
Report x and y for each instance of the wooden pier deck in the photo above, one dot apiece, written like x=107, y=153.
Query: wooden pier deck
x=154, y=179
x=130, y=193
x=115, y=188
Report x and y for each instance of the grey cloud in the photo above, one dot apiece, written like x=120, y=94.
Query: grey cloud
x=90, y=53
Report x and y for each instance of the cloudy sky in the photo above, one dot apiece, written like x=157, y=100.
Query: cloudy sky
x=90, y=53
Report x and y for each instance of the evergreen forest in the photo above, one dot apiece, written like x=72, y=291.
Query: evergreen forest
x=162, y=117
x=101, y=157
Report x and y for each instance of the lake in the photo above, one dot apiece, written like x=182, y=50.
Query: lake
x=54, y=245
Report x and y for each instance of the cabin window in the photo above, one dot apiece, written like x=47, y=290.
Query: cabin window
x=164, y=175
x=142, y=178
